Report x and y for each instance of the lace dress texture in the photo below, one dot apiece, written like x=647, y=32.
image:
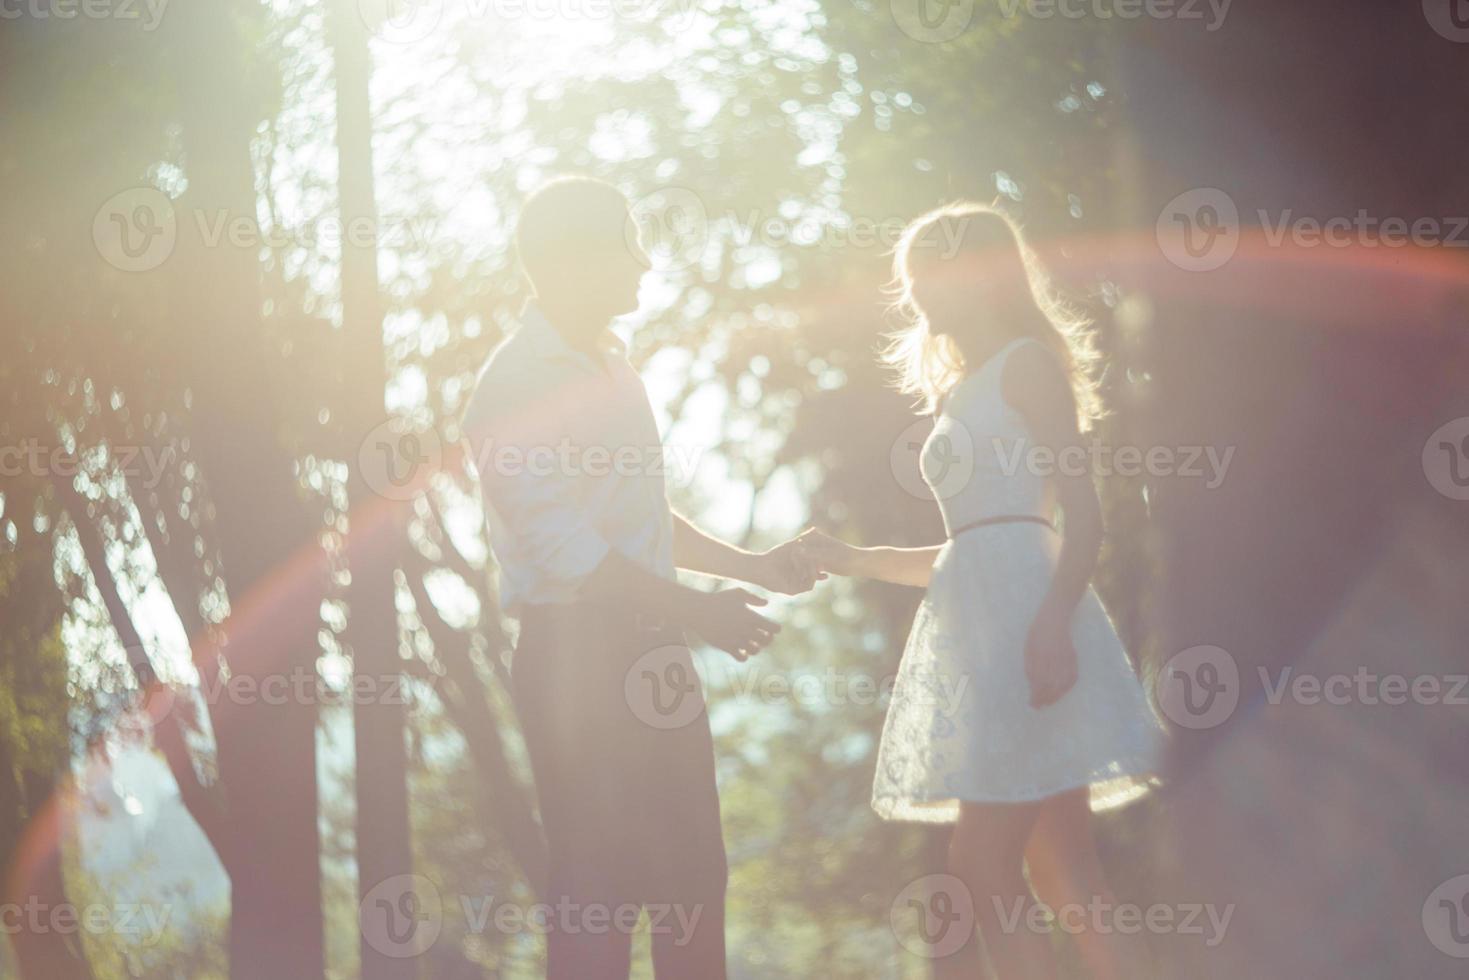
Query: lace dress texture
x=960, y=726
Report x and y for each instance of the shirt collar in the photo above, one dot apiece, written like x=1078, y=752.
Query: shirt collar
x=546, y=341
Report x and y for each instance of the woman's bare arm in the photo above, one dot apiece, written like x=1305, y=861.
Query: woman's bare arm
x=1035, y=383
x=901, y=566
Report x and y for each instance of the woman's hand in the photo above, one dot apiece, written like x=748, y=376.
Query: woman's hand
x=1050, y=657
x=827, y=553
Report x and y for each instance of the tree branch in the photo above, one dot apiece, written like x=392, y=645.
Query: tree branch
x=470, y=709
x=168, y=731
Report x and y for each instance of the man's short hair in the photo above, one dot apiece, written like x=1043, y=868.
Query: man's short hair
x=569, y=219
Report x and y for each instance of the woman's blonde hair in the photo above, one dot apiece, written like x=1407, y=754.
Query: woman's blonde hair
x=929, y=364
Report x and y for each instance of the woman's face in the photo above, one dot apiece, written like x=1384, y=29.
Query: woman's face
x=973, y=297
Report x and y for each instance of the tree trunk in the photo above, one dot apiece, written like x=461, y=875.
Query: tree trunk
x=384, y=835
x=274, y=567
x=53, y=951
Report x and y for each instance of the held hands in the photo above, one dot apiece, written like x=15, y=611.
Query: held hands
x=726, y=619
x=828, y=554
x=788, y=569
x=1050, y=658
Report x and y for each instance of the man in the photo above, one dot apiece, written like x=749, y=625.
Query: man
x=587, y=546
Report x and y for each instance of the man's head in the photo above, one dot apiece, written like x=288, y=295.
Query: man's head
x=578, y=247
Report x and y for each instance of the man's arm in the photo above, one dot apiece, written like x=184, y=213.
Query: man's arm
x=555, y=534
x=785, y=568
x=724, y=618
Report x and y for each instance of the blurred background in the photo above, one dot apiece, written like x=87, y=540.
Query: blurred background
x=252, y=665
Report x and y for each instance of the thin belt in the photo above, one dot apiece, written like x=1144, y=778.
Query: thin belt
x=1003, y=519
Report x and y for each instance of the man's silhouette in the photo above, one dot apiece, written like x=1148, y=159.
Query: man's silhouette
x=587, y=545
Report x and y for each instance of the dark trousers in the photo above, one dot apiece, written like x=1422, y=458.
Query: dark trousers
x=619, y=742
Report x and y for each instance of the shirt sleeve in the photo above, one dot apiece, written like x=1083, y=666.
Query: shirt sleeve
x=541, y=506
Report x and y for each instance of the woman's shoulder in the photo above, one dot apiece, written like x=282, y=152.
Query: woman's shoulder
x=1033, y=378
x=1017, y=361
x=1027, y=350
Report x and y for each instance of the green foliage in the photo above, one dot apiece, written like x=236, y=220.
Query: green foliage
x=826, y=114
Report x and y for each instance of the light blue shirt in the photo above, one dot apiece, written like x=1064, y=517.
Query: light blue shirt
x=570, y=463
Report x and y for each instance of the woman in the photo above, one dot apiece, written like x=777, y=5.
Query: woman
x=1050, y=712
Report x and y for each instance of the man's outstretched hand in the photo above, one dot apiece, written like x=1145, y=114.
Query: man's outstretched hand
x=725, y=620
x=788, y=569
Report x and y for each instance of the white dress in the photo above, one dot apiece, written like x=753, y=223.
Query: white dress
x=960, y=726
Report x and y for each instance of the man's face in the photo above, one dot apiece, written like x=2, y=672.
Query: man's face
x=617, y=272
x=598, y=272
